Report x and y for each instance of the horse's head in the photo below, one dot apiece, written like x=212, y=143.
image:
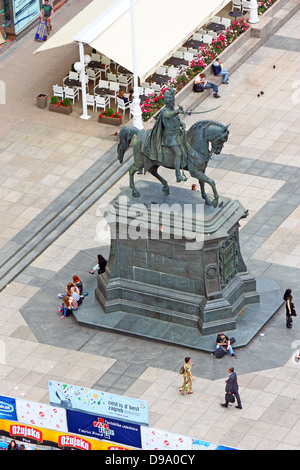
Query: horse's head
x=218, y=142
x=208, y=137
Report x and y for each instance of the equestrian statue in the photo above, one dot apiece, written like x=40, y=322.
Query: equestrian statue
x=168, y=144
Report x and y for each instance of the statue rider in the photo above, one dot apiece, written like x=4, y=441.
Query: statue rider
x=168, y=134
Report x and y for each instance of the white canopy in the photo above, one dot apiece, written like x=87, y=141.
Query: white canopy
x=161, y=27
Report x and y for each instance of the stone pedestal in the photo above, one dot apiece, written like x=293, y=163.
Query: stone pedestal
x=176, y=260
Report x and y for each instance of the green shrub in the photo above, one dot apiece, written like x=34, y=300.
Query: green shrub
x=54, y=100
x=109, y=112
x=66, y=102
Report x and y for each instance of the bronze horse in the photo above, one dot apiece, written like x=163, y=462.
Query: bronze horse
x=203, y=139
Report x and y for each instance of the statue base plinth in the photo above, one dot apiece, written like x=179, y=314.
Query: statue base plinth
x=162, y=284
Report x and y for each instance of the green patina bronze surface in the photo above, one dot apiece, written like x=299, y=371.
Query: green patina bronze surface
x=168, y=144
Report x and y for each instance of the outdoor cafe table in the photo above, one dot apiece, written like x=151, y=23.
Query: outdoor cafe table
x=102, y=91
x=158, y=78
x=176, y=61
x=96, y=65
x=71, y=82
x=193, y=43
x=123, y=71
x=216, y=27
x=235, y=13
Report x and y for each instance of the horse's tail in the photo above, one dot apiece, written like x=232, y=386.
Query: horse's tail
x=125, y=136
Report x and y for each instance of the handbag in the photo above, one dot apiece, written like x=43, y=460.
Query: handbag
x=181, y=370
x=229, y=398
x=293, y=311
x=198, y=88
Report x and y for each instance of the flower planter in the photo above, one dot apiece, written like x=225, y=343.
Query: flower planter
x=42, y=101
x=60, y=108
x=114, y=121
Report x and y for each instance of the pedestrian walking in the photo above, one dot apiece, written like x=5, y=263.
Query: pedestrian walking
x=289, y=307
x=187, y=377
x=232, y=389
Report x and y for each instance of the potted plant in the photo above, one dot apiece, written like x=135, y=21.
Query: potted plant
x=110, y=117
x=42, y=100
x=60, y=106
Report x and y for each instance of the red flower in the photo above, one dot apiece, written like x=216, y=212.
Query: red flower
x=100, y=115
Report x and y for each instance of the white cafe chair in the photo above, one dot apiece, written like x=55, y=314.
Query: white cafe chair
x=226, y=22
x=93, y=74
x=102, y=102
x=215, y=19
x=178, y=54
x=188, y=56
x=173, y=72
x=148, y=91
x=207, y=39
x=212, y=34
x=237, y=4
x=96, y=57
x=197, y=36
x=71, y=93
x=245, y=5
x=103, y=84
x=90, y=100
x=114, y=89
x=73, y=75
x=161, y=70
x=155, y=87
x=122, y=105
x=58, y=91
x=111, y=77
x=125, y=81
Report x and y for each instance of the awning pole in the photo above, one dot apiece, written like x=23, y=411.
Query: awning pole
x=136, y=109
x=83, y=82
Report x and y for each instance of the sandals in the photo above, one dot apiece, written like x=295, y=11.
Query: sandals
x=182, y=392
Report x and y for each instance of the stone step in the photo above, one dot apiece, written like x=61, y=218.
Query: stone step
x=53, y=221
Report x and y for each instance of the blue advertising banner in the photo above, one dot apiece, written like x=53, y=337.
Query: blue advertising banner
x=98, y=427
x=8, y=408
x=205, y=445
x=120, y=407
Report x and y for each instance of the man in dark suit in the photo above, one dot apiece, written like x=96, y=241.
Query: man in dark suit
x=232, y=388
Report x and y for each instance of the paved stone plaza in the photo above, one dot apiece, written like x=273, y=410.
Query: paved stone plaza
x=47, y=161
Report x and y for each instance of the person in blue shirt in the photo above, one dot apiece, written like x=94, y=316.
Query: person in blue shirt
x=218, y=69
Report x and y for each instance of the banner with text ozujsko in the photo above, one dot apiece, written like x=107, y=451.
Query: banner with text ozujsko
x=108, y=429
x=74, y=397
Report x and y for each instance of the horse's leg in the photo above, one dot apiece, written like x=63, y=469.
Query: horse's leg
x=203, y=194
x=132, y=170
x=153, y=171
x=136, y=166
x=202, y=178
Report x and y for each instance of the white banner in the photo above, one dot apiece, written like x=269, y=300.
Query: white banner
x=155, y=439
x=41, y=415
